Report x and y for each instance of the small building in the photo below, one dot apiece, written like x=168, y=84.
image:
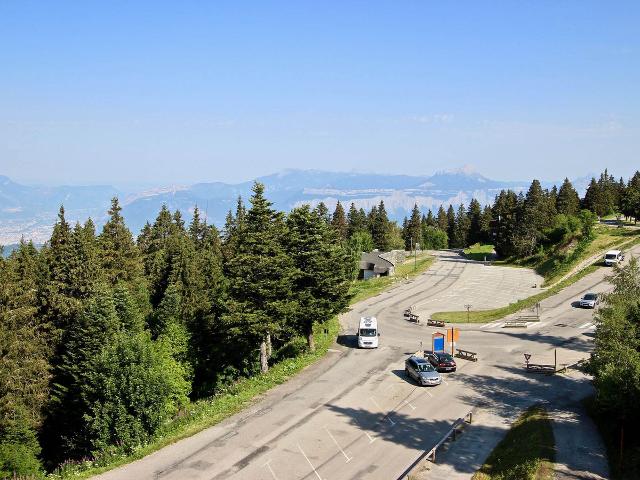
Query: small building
x=376, y=264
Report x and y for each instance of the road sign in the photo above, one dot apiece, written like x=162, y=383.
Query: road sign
x=527, y=356
x=438, y=344
x=453, y=332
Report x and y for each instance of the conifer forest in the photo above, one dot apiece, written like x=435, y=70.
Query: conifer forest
x=105, y=336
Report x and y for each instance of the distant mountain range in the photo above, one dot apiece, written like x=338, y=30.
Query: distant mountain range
x=30, y=211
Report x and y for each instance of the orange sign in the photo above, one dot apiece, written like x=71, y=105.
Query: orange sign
x=453, y=334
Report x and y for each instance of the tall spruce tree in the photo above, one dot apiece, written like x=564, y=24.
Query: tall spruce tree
x=474, y=216
x=568, y=201
x=260, y=278
x=451, y=226
x=339, y=222
x=324, y=270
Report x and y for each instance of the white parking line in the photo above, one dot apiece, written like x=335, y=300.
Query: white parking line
x=268, y=465
x=347, y=457
x=309, y=462
x=585, y=325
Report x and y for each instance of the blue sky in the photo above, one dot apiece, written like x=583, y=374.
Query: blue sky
x=182, y=92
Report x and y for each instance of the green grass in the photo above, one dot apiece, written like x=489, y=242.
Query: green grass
x=245, y=392
x=526, y=453
x=363, y=289
x=554, y=264
x=479, y=252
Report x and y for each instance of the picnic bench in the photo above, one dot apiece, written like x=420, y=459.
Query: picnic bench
x=435, y=323
x=467, y=355
x=529, y=318
x=515, y=323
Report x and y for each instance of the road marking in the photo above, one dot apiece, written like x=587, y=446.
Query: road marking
x=407, y=402
x=348, y=459
x=371, y=440
x=270, y=469
x=429, y=393
x=585, y=325
x=309, y=462
x=380, y=408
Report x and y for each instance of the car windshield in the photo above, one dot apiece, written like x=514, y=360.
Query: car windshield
x=445, y=357
x=367, y=332
x=590, y=296
x=425, y=367
x=610, y=256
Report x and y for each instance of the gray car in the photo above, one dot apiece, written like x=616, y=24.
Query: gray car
x=422, y=371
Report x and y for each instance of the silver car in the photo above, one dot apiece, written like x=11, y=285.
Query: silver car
x=590, y=300
x=422, y=371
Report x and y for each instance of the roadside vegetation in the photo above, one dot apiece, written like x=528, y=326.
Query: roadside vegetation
x=526, y=453
x=615, y=366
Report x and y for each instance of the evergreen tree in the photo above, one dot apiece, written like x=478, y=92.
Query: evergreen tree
x=260, y=278
x=568, y=201
x=324, y=271
x=120, y=257
x=474, y=216
x=430, y=220
x=24, y=366
x=486, y=219
x=65, y=430
x=461, y=230
x=451, y=226
x=413, y=235
x=442, y=220
x=339, y=222
x=357, y=220
x=323, y=212
x=380, y=228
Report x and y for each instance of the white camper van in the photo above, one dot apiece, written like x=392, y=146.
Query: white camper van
x=368, y=333
x=612, y=257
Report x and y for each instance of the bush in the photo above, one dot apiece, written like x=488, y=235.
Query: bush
x=136, y=387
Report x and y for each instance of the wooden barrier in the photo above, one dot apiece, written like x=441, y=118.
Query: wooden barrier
x=467, y=355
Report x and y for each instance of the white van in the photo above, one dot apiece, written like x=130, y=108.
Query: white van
x=368, y=333
x=612, y=257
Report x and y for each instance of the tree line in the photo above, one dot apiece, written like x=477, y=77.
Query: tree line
x=104, y=338
x=517, y=224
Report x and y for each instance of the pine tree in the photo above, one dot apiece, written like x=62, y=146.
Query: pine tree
x=339, y=222
x=323, y=212
x=380, y=228
x=413, y=229
x=442, y=220
x=260, y=278
x=430, y=220
x=567, y=201
x=324, y=271
x=461, y=230
x=451, y=226
x=357, y=221
x=24, y=367
x=474, y=216
x=120, y=257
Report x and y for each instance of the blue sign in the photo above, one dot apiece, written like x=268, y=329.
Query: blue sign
x=438, y=344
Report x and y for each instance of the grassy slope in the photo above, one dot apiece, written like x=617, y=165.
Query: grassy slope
x=526, y=453
x=208, y=412
x=479, y=252
x=605, y=239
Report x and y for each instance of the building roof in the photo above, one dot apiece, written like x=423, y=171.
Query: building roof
x=373, y=261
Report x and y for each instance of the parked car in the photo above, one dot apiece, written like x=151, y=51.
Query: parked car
x=613, y=257
x=421, y=371
x=590, y=300
x=441, y=360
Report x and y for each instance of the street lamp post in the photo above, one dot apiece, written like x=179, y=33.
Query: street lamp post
x=468, y=307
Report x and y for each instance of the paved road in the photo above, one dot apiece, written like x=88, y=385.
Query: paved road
x=354, y=415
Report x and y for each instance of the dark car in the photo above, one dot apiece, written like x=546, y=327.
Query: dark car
x=441, y=360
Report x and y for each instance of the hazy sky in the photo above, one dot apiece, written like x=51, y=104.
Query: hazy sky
x=183, y=91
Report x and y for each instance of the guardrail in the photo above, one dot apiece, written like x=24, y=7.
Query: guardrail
x=431, y=454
